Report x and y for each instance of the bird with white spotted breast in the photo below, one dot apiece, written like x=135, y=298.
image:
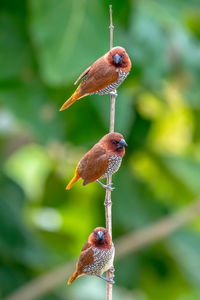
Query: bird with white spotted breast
x=102, y=160
x=96, y=256
x=103, y=76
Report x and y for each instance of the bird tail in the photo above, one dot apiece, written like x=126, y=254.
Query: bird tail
x=74, y=179
x=73, y=277
x=76, y=95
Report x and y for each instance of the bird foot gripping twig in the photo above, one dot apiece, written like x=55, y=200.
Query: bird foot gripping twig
x=106, y=186
x=106, y=279
x=111, y=272
x=113, y=93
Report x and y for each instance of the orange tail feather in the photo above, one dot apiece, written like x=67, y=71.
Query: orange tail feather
x=72, y=278
x=76, y=95
x=74, y=179
x=70, y=101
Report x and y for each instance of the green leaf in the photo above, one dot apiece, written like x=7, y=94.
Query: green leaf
x=67, y=35
x=187, y=170
x=15, y=59
x=185, y=247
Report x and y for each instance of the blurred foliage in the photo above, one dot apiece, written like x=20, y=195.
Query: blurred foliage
x=44, y=46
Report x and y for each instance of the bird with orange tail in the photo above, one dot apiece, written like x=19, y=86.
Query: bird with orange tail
x=102, y=160
x=103, y=76
x=96, y=256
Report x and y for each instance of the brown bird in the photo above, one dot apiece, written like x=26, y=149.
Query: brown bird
x=102, y=160
x=103, y=76
x=96, y=256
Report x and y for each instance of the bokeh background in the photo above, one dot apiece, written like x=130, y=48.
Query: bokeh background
x=44, y=46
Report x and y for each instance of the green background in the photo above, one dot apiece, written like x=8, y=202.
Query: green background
x=44, y=46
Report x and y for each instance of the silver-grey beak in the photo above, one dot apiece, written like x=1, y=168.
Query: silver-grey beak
x=117, y=59
x=100, y=235
x=122, y=143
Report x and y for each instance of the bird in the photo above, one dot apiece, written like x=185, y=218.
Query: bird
x=103, y=159
x=103, y=76
x=96, y=256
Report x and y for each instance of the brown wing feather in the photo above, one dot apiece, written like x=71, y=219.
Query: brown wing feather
x=83, y=75
x=99, y=76
x=86, y=257
x=93, y=165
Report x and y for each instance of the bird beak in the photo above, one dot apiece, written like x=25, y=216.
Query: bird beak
x=100, y=235
x=122, y=143
x=117, y=59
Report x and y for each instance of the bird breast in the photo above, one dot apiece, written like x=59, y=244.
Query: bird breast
x=103, y=260
x=113, y=86
x=114, y=162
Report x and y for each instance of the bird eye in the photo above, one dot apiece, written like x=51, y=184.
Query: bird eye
x=115, y=142
x=123, y=54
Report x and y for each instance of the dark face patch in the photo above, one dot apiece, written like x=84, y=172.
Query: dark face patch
x=118, y=59
x=116, y=146
x=100, y=238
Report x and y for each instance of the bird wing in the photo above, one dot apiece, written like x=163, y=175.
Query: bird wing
x=86, y=257
x=83, y=75
x=98, y=76
x=93, y=165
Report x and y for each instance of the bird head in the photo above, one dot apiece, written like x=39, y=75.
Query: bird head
x=118, y=57
x=114, y=143
x=100, y=238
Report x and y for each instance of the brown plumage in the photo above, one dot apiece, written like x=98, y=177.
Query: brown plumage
x=102, y=160
x=96, y=256
x=103, y=76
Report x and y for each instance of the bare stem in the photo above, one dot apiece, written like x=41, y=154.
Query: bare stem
x=108, y=202
x=111, y=28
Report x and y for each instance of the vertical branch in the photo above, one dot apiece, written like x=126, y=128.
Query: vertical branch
x=111, y=28
x=108, y=202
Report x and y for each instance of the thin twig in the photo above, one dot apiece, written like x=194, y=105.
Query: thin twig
x=111, y=28
x=129, y=243
x=108, y=202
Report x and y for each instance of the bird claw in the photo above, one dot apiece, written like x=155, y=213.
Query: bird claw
x=106, y=279
x=113, y=93
x=112, y=270
x=110, y=281
x=109, y=187
x=106, y=186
